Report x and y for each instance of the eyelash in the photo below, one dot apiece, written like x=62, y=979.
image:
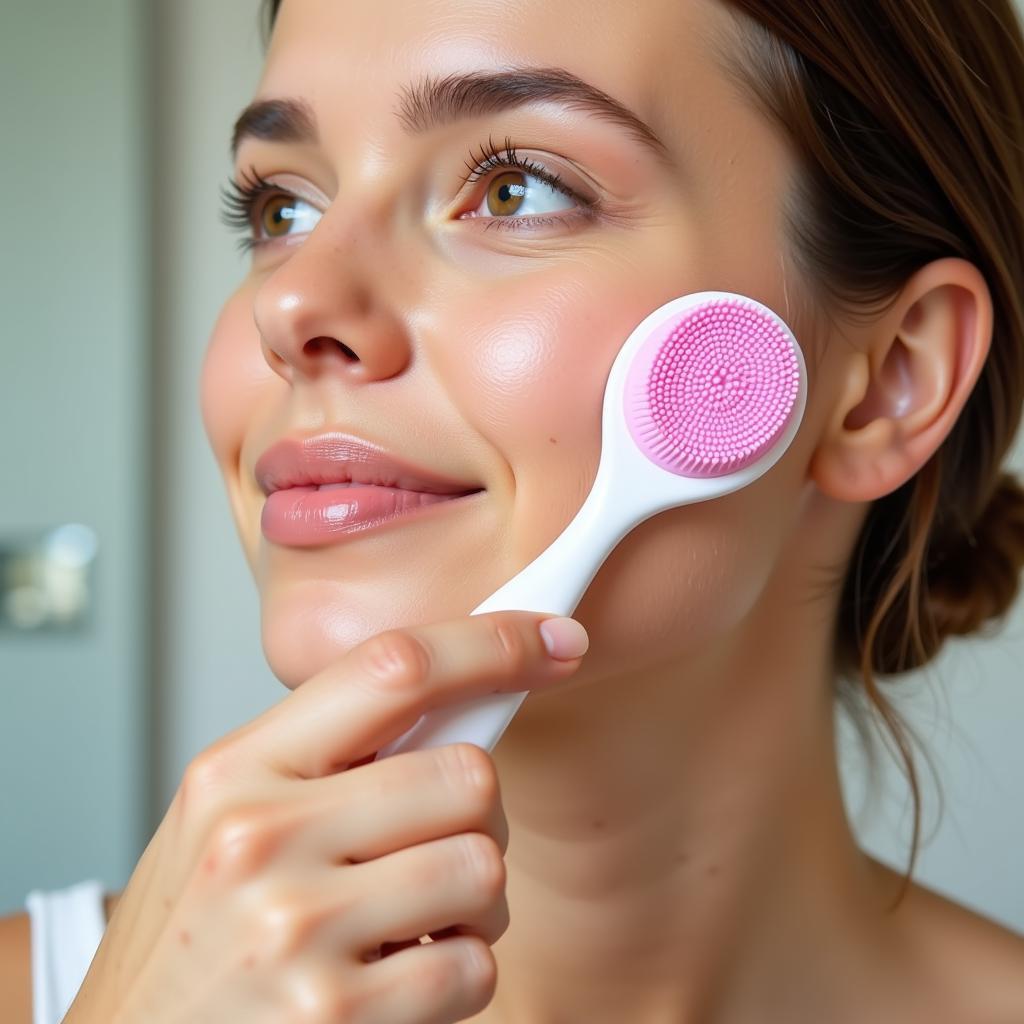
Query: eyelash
x=241, y=199
x=491, y=157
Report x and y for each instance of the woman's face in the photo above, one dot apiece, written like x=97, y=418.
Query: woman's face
x=481, y=320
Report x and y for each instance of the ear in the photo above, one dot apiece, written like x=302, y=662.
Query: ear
x=902, y=389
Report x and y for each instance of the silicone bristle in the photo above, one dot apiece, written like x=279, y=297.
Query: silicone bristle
x=711, y=391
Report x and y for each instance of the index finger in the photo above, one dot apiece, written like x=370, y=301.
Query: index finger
x=379, y=690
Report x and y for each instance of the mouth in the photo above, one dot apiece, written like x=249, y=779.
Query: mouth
x=337, y=458
x=314, y=515
x=320, y=488
x=415, y=487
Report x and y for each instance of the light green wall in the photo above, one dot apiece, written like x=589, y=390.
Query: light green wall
x=73, y=414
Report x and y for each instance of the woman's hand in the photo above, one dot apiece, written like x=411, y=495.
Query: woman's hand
x=293, y=875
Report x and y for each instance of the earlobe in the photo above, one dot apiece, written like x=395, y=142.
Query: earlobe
x=904, y=387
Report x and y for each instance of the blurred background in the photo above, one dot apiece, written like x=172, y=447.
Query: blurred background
x=129, y=624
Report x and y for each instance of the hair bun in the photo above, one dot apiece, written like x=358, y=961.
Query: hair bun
x=974, y=576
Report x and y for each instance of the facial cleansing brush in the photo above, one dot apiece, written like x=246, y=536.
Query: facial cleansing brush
x=704, y=397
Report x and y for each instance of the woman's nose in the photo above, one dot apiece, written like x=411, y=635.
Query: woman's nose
x=318, y=313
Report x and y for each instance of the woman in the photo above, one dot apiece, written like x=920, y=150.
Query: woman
x=457, y=213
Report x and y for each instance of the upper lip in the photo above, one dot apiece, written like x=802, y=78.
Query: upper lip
x=342, y=458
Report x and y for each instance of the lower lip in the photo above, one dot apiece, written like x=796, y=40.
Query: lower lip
x=308, y=516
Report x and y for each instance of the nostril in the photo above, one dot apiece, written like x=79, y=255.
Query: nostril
x=317, y=345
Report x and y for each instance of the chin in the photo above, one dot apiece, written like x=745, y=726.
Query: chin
x=309, y=624
x=305, y=631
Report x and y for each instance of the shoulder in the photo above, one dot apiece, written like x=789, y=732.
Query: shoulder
x=976, y=963
x=16, y=962
x=16, y=968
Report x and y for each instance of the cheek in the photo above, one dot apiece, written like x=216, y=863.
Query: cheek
x=538, y=360
x=680, y=582
x=530, y=379
x=234, y=382
x=237, y=390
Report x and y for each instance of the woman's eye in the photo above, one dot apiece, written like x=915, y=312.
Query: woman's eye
x=517, y=192
x=518, y=195
x=284, y=214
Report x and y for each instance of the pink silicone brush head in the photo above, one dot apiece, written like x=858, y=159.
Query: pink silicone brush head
x=712, y=390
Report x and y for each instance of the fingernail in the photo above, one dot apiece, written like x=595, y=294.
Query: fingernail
x=564, y=638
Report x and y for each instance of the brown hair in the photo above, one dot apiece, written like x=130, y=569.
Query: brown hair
x=907, y=121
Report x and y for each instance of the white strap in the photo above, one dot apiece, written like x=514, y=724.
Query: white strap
x=67, y=925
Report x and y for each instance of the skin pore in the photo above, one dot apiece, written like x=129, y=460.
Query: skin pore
x=678, y=845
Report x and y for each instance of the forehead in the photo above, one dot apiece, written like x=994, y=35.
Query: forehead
x=352, y=56
x=351, y=59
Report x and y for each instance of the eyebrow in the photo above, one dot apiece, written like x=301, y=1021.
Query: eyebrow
x=434, y=101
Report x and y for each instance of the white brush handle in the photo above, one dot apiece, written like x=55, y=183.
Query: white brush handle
x=553, y=582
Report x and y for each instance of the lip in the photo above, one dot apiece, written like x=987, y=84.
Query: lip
x=336, y=458
x=321, y=488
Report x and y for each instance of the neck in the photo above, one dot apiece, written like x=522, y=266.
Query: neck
x=679, y=846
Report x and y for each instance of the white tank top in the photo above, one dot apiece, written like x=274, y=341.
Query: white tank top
x=67, y=925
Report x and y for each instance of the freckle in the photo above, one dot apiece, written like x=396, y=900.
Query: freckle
x=599, y=823
x=184, y=936
x=682, y=857
x=167, y=903
x=552, y=440
x=713, y=870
